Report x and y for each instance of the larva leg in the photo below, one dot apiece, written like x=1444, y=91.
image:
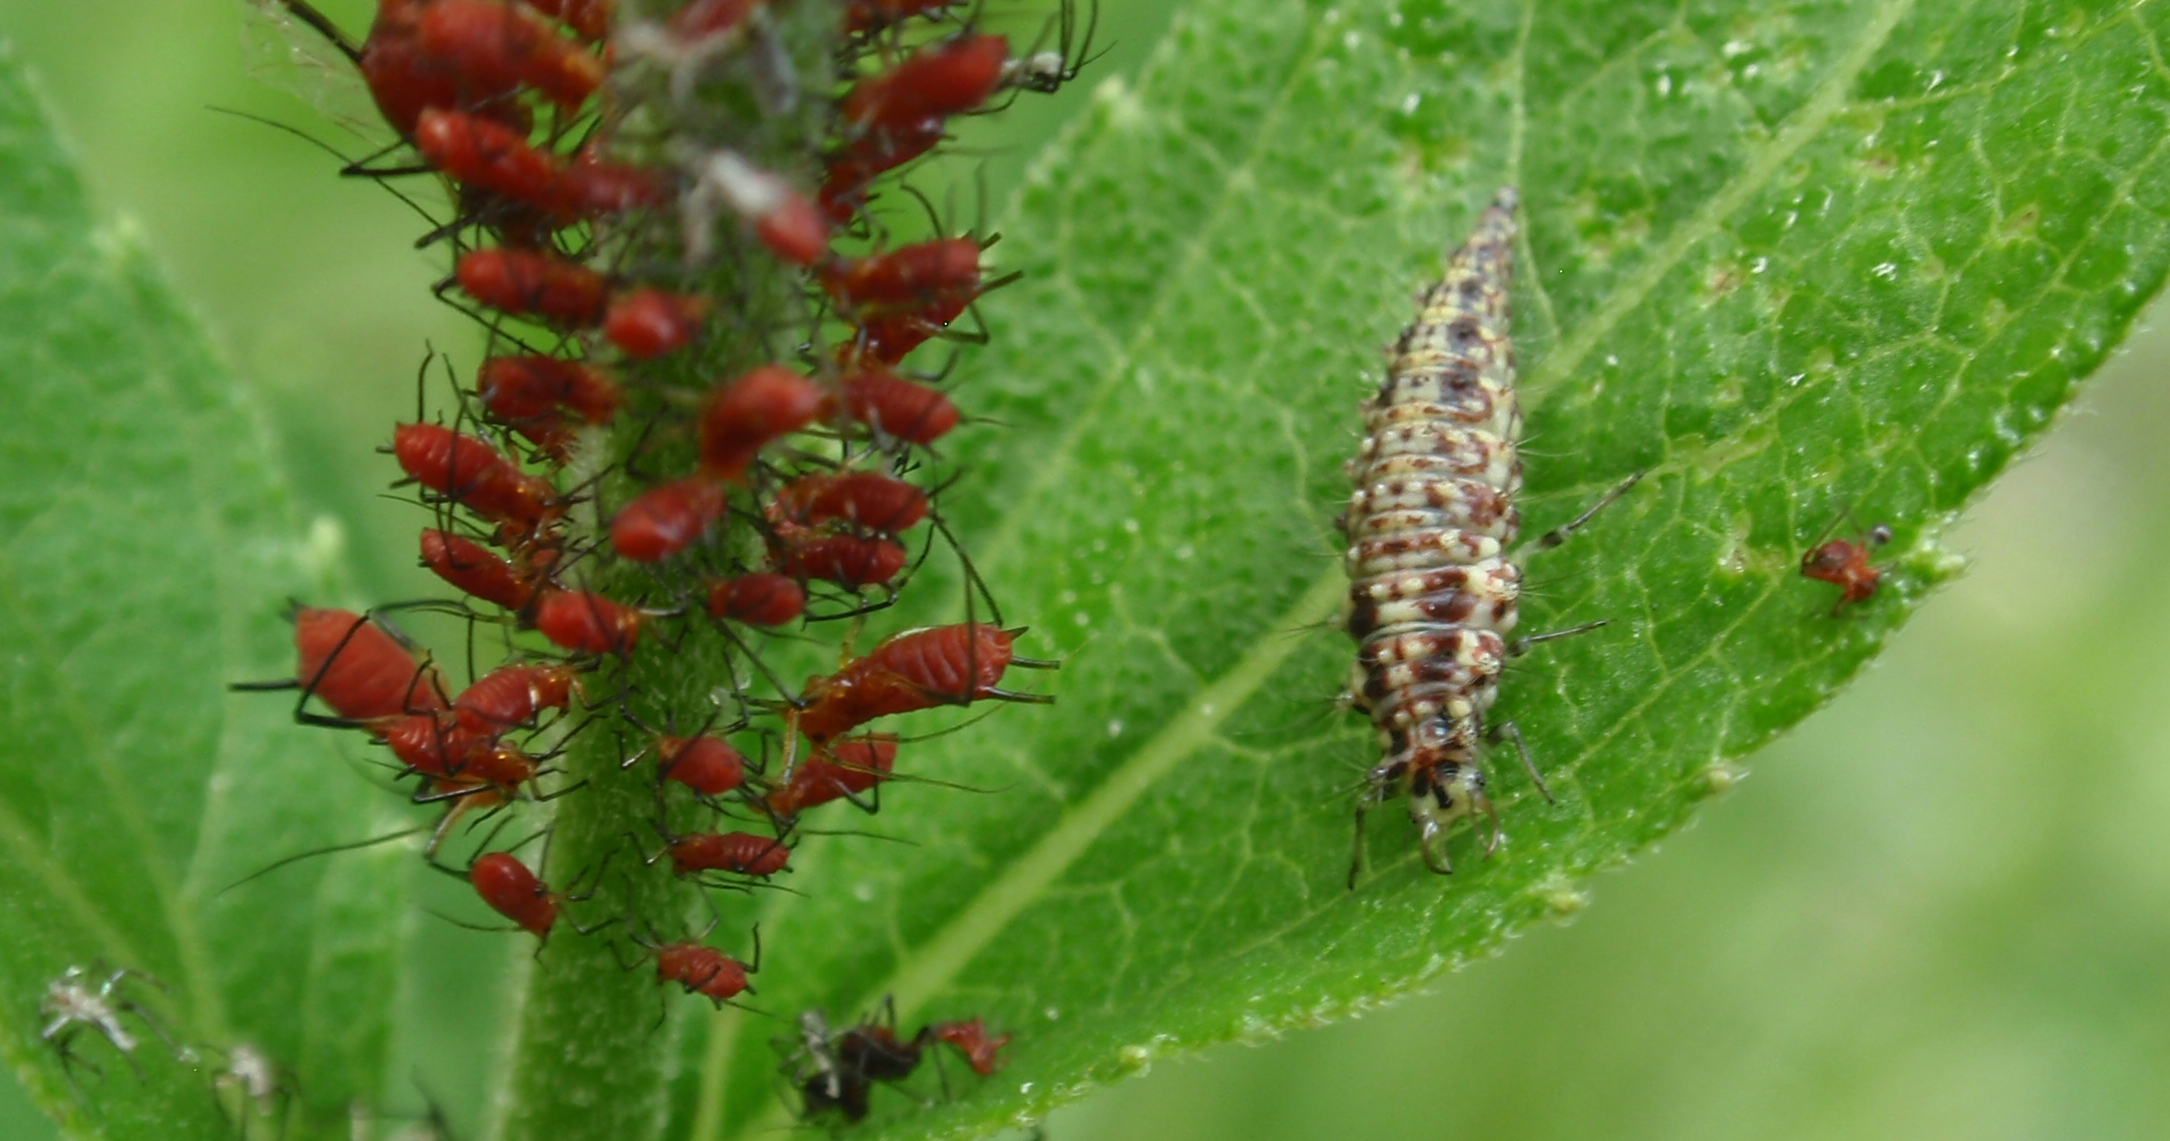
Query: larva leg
x=1513, y=733
x=1566, y=531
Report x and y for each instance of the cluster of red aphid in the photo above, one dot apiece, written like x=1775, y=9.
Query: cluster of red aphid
x=585, y=239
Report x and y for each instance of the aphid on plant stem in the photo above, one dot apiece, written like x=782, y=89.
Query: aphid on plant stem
x=589, y=19
x=918, y=669
x=889, y=337
x=587, y=623
x=467, y=470
x=874, y=15
x=512, y=697
x=758, y=599
x=594, y=187
x=495, y=45
x=520, y=387
x=493, y=157
x=649, y=323
x=842, y=771
x=360, y=669
x=949, y=78
x=525, y=283
x=740, y=853
x=703, y=970
x=752, y=412
x=1846, y=565
x=1432, y=590
x=454, y=756
x=663, y=521
x=512, y=891
x=898, y=408
x=707, y=765
x=869, y=499
x=853, y=562
x=906, y=279
x=475, y=570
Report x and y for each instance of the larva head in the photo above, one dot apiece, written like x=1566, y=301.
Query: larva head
x=1441, y=794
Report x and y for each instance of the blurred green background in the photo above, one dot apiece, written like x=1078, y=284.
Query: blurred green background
x=1941, y=909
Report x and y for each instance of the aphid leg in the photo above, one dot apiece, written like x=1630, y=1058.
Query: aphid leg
x=1566, y=531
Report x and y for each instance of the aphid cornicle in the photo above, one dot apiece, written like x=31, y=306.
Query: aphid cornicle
x=1432, y=593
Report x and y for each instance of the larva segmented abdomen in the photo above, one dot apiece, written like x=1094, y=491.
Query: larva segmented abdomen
x=1431, y=591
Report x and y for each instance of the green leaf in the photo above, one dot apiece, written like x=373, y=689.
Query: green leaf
x=1799, y=263
x=148, y=547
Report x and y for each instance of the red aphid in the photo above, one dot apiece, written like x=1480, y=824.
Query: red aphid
x=512, y=697
x=593, y=187
x=898, y=408
x=513, y=892
x=850, y=561
x=874, y=15
x=496, y=45
x=1846, y=565
x=759, y=599
x=649, y=323
x=752, y=412
x=665, y=520
x=707, y=765
x=469, y=471
x=946, y=79
x=452, y=755
x=359, y=669
x=906, y=279
x=869, y=499
x=740, y=853
x=519, y=387
x=587, y=623
x=526, y=283
x=918, y=669
x=589, y=19
x=970, y=1038
x=491, y=156
x=403, y=79
x=846, y=768
x=887, y=338
x=701, y=970
x=475, y=570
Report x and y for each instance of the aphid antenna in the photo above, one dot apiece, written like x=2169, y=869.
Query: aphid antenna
x=349, y=167
x=974, y=583
x=298, y=857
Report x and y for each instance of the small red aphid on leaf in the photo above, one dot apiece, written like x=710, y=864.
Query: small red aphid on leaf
x=1845, y=565
x=970, y=1038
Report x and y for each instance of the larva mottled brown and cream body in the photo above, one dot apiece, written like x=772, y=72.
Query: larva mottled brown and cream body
x=1432, y=592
